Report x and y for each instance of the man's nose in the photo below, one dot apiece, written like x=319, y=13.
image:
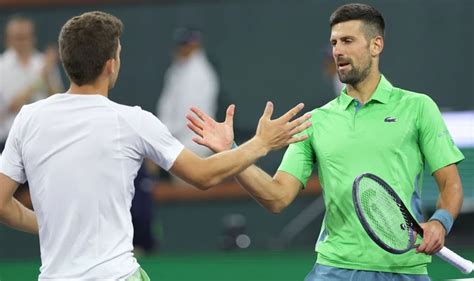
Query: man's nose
x=336, y=50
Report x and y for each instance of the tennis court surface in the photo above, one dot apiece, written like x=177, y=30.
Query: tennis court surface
x=235, y=266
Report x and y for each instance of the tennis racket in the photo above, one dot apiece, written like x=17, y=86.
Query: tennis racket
x=389, y=223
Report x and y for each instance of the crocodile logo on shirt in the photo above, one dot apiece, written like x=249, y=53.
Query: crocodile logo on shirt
x=390, y=119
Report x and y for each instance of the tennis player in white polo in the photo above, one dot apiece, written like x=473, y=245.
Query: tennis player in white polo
x=80, y=153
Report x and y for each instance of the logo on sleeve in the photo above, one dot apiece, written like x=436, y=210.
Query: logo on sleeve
x=390, y=119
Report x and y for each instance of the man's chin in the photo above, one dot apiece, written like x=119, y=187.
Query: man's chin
x=343, y=78
x=347, y=78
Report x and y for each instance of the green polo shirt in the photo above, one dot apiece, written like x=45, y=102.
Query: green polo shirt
x=392, y=136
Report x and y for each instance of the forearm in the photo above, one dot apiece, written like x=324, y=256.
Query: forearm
x=448, y=206
x=207, y=172
x=450, y=198
x=227, y=164
x=17, y=216
x=264, y=189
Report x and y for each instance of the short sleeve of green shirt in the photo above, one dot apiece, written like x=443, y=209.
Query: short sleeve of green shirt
x=435, y=141
x=299, y=158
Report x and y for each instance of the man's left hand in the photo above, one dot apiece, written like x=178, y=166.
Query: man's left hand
x=433, y=237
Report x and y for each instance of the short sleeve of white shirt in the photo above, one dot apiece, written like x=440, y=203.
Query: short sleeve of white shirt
x=157, y=142
x=11, y=163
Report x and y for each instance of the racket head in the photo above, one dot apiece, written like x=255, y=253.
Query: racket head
x=383, y=215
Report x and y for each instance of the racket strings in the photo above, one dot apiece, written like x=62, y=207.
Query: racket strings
x=383, y=215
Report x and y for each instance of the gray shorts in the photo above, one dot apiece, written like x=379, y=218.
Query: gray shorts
x=329, y=273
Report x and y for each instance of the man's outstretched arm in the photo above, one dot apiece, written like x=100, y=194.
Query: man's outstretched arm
x=271, y=134
x=273, y=193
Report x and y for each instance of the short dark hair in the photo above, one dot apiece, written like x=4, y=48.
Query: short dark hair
x=86, y=42
x=372, y=18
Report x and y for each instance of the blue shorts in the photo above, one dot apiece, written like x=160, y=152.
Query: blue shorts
x=329, y=273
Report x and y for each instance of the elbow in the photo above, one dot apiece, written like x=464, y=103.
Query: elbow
x=205, y=183
x=208, y=176
x=203, y=186
x=276, y=211
x=277, y=208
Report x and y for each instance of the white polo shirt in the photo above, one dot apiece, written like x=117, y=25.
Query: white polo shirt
x=14, y=77
x=80, y=155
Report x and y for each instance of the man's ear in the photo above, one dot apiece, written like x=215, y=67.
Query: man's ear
x=110, y=66
x=376, y=45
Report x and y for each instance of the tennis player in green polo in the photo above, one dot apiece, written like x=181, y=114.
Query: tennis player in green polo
x=371, y=127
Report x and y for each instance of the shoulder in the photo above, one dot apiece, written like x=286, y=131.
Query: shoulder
x=32, y=108
x=326, y=109
x=411, y=96
x=321, y=113
x=420, y=105
x=133, y=115
x=27, y=117
x=331, y=105
x=123, y=108
x=413, y=101
x=136, y=117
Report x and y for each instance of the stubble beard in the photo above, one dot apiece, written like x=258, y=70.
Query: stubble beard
x=355, y=75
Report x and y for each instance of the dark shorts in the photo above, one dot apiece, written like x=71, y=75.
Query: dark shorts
x=329, y=273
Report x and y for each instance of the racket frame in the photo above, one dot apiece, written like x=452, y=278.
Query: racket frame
x=464, y=265
x=411, y=223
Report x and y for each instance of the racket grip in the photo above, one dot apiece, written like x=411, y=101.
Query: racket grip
x=465, y=266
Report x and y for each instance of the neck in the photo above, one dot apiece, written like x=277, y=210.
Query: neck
x=364, y=90
x=97, y=88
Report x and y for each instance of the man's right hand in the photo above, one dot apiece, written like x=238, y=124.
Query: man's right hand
x=273, y=134
x=280, y=132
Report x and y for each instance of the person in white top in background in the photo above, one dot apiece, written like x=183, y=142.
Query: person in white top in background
x=189, y=81
x=80, y=153
x=26, y=75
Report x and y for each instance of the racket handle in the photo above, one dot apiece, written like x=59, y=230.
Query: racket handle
x=465, y=266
